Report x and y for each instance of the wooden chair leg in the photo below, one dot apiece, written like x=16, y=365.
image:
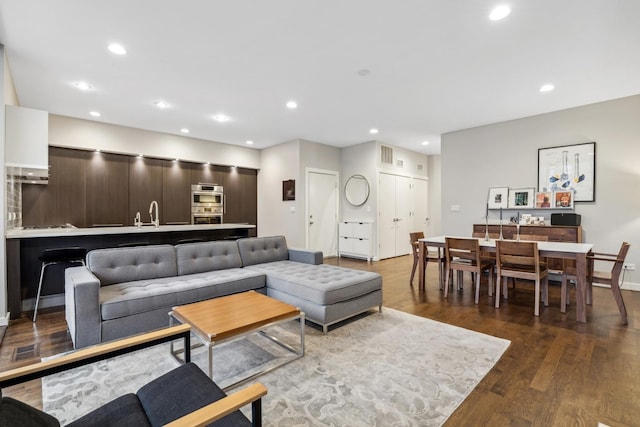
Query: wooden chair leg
x=563, y=295
x=477, y=282
x=413, y=270
x=617, y=295
x=536, y=306
x=498, y=280
x=446, y=281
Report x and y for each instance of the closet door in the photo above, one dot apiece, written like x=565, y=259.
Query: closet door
x=394, y=215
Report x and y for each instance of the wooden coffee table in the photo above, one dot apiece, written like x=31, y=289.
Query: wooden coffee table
x=221, y=319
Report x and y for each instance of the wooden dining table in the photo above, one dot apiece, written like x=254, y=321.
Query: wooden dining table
x=565, y=250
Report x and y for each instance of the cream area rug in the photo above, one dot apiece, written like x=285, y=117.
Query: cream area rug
x=382, y=369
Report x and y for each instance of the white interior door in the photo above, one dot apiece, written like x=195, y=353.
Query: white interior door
x=403, y=215
x=386, y=216
x=394, y=215
x=322, y=212
x=420, y=213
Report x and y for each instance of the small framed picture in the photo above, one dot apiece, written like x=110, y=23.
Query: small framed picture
x=289, y=189
x=498, y=198
x=521, y=198
x=563, y=199
x=544, y=199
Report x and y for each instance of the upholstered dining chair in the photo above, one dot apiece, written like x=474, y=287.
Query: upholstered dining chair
x=429, y=256
x=611, y=278
x=464, y=255
x=520, y=260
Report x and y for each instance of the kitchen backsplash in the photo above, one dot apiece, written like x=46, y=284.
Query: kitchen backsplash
x=14, y=204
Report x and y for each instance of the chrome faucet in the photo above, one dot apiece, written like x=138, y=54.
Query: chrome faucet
x=156, y=221
x=137, y=221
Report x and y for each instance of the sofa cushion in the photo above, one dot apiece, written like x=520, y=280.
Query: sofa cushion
x=207, y=256
x=124, y=299
x=257, y=250
x=180, y=392
x=321, y=284
x=117, y=265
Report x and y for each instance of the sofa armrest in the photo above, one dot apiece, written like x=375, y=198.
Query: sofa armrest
x=223, y=407
x=306, y=256
x=82, y=306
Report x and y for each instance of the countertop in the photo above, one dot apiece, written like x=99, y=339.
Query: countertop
x=19, y=233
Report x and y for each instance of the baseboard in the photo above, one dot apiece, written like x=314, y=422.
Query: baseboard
x=4, y=320
x=626, y=286
x=46, y=301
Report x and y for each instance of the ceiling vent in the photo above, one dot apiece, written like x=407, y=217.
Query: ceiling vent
x=386, y=155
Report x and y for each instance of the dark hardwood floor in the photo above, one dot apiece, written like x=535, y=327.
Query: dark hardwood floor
x=555, y=373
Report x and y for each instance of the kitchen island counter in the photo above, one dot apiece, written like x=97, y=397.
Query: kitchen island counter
x=24, y=246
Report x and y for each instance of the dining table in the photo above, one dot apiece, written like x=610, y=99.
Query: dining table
x=565, y=250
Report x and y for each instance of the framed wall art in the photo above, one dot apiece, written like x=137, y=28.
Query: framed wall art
x=521, y=198
x=498, y=197
x=563, y=199
x=289, y=189
x=544, y=199
x=569, y=168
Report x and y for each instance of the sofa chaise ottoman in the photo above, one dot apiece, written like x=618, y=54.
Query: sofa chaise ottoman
x=326, y=294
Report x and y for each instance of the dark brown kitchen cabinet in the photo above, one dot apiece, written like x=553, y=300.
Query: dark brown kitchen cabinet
x=107, y=187
x=241, y=193
x=176, y=193
x=206, y=174
x=62, y=200
x=145, y=185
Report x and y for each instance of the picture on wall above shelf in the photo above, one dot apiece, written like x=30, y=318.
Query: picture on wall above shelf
x=497, y=198
x=521, y=198
x=569, y=168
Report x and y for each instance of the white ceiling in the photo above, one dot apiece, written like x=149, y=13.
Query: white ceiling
x=435, y=65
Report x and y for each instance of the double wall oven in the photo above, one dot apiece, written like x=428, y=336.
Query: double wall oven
x=207, y=204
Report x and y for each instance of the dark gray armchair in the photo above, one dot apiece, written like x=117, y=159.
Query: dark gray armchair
x=185, y=396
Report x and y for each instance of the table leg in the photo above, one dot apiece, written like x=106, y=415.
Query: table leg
x=422, y=248
x=581, y=287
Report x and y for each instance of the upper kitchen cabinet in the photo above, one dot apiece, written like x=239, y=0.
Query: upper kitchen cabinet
x=206, y=174
x=107, y=187
x=27, y=141
x=176, y=192
x=145, y=186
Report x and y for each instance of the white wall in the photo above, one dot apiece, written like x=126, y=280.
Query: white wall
x=4, y=76
x=86, y=134
x=435, y=196
x=275, y=216
x=505, y=154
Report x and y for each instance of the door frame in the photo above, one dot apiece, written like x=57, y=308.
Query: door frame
x=308, y=171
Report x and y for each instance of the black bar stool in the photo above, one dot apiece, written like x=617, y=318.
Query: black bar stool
x=56, y=256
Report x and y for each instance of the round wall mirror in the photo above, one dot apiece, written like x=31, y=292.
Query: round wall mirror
x=356, y=190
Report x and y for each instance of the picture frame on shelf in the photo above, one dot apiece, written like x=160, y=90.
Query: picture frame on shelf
x=544, y=199
x=569, y=168
x=521, y=198
x=563, y=199
x=498, y=198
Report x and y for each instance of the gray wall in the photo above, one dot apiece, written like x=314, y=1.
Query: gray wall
x=505, y=154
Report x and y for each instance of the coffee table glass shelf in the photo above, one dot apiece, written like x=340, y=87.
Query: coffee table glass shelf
x=228, y=318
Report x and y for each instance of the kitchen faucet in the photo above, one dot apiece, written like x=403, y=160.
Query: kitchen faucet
x=156, y=221
x=137, y=221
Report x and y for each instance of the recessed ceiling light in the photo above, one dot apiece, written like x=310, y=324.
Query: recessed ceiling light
x=161, y=104
x=117, y=49
x=221, y=118
x=83, y=85
x=364, y=72
x=140, y=155
x=500, y=12
x=30, y=173
x=292, y=105
x=176, y=160
x=97, y=150
x=373, y=131
x=425, y=142
x=249, y=142
x=184, y=130
x=547, y=87
x=95, y=114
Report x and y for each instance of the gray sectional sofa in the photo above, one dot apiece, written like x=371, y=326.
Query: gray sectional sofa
x=124, y=291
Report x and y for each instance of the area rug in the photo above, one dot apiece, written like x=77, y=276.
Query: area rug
x=383, y=369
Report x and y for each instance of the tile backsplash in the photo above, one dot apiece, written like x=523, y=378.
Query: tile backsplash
x=14, y=203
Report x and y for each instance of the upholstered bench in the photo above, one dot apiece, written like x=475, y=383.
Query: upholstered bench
x=327, y=294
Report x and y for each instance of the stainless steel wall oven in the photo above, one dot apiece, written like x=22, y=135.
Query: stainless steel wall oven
x=207, y=204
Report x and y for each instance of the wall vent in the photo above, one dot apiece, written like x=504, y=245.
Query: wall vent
x=400, y=163
x=386, y=155
x=419, y=168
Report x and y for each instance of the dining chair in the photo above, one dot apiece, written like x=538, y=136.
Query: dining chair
x=464, y=255
x=429, y=256
x=520, y=260
x=611, y=278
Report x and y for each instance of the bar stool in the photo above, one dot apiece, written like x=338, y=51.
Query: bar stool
x=57, y=256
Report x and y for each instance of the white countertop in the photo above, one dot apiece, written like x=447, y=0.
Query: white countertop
x=19, y=233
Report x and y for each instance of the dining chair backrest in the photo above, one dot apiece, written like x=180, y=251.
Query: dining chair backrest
x=518, y=255
x=618, y=263
x=462, y=249
x=413, y=239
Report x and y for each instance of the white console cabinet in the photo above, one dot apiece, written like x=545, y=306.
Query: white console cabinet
x=355, y=239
